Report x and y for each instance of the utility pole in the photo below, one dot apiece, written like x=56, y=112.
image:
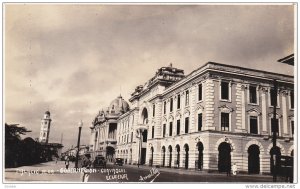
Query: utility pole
x=78, y=144
x=275, y=127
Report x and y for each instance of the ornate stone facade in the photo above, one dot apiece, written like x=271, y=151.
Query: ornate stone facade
x=171, y=124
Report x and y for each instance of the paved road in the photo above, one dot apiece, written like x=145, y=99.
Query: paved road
x=126, y=173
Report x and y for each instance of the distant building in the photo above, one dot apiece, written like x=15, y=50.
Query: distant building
x=215, y=116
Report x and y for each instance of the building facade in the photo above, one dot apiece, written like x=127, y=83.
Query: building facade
x=215, y=116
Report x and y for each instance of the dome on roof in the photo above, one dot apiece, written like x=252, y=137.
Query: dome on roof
x=118, y=106
x=47, y=112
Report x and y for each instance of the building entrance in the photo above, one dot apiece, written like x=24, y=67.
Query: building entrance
x=186, y=148
x=163, y=156
x=224, y=163
x=275, y=154
x=253, y=160
x=170, y=156
x=110, y=153
x=200, y=155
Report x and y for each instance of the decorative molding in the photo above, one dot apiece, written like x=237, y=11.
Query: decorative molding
x=187, y=112
x=277, y=115
x=244, y=87
x=252, y=110
x=284, y=92
x=225, y=108
x=199, y=107
x=178, y=114
x=171, y=118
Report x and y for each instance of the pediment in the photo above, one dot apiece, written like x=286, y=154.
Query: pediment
x=225, y=108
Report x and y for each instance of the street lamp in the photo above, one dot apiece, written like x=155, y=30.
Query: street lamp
x=275, y=127
x=78, y=143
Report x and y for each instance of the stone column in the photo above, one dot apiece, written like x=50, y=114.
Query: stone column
x=238, y=108
x=209, y=105
x=264, y=92
x=243, y=87
x=284, y=113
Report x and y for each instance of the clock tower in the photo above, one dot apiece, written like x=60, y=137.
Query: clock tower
x=45, y=128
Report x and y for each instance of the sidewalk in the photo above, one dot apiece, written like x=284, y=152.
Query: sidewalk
x=193, y=171
x=49, y=172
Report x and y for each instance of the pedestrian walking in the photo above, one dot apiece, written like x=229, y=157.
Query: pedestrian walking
x=86, y=165
x=67, y=162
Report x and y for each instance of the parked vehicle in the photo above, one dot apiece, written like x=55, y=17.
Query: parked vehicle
x=99, y=161
x=119, y=161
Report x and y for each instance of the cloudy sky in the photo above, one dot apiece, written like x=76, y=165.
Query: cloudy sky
x=74, y=59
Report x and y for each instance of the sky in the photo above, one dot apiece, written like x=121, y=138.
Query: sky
x=74, y=59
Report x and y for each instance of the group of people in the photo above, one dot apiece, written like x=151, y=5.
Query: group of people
x=86, y=163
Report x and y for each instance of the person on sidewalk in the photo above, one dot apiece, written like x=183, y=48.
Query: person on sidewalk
x=86, y=165
x=234, y=169
x=67, y=162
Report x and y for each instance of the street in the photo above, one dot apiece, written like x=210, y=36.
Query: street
x=51, y=172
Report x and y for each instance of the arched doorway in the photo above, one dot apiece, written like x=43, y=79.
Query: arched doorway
x=163, y=156
x=170, y=155
x=177, y=155
x=200, y=155
x=253, y=159
x=186, y=149
x=224, y=163
x=110, y=153
x=274, y=157
x=151, y=158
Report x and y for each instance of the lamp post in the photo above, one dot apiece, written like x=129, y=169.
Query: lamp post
x=78, y=143
x=275, y=127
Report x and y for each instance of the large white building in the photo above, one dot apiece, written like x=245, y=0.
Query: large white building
x=215, y=116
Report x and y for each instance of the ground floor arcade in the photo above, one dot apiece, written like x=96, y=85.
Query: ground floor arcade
x=210, y=151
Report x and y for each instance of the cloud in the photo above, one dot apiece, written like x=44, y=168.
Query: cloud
x=75, y=59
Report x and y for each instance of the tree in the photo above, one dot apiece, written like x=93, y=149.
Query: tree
x=13, y=144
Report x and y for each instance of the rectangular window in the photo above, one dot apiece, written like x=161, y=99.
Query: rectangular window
x=164, y=130
x=292, y=99
x=131, y=136
x=178, y=127
x=178, y=101
x=152, y=131
x=165, y=105
x=153, y=110
x=225, y=121
x=186, y=125
x=171, y=105
x=252, y=94
x=273, y=97
x=171, y=129
x=187, y=98
x=199, y=122
x=275, y=126
x=253, y=125
x=292, y=127
x=224, y=90
x=127, y=137
x=199, y=92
